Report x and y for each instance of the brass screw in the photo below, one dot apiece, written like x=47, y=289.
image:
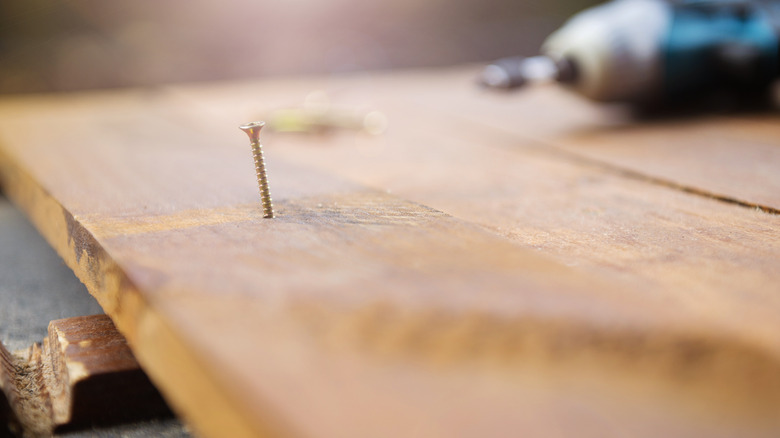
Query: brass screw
x=253, y=131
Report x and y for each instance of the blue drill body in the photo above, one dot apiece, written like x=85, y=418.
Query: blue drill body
x=716, y=44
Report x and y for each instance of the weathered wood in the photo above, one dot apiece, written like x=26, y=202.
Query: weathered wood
x=656, y=239
x=94, y=376
x=733, y=156
x=361, y=313
x=730, y=156
x=83, y=374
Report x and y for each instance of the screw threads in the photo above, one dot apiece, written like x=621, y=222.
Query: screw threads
x=253, y=131
x=262, y=180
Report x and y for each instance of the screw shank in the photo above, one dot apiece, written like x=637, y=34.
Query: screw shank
x=262, y=180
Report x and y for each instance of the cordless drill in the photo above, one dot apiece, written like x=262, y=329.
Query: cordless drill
x=641, y=51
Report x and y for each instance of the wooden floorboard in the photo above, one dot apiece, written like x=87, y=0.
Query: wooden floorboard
x=734, y=156
x=653, y=238
x=448, y=278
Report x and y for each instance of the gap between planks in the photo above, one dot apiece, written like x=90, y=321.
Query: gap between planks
x=549, y=147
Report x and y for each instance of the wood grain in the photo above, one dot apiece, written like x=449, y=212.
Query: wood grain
x=82, y=375
x=442, y=308
x=730, y=156
x=95, y=379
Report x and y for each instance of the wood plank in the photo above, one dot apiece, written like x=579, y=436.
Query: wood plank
x=361, y=313
x=82, y=375
x=333, y=243
x=696, y=252
x=730, y=156
x=92, y=376
x=659, y=240
x=9, y=394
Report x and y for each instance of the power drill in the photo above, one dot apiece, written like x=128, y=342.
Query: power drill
x=644, y=51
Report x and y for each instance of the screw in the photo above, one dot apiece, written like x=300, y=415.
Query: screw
x=253, y=131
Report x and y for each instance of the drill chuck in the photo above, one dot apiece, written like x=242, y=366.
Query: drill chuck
x=650, y=50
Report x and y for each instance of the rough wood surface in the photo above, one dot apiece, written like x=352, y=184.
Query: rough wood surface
x=442, y=308
x=658, y=238
x=83, y=374
x=729, y=156
x=94, y=376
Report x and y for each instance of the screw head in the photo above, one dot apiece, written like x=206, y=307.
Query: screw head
x=252, y=129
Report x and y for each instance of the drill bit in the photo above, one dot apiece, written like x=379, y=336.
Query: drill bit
x=516, y=71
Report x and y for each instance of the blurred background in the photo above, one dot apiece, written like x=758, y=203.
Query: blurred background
x=48, y=45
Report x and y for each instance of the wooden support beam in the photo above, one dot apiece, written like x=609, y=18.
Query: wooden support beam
x=83, y=374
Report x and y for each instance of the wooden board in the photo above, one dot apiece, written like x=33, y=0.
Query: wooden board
x=82, y=375
x=651, y=234
x=414, y=284
x=733, y=157
x=92, y=377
